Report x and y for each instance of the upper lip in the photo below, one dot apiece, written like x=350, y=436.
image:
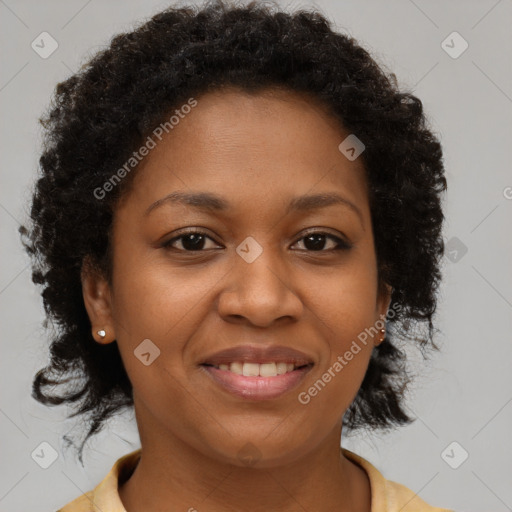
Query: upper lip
x=259, y=354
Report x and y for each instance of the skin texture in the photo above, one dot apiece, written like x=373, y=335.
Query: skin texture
x=258, y=151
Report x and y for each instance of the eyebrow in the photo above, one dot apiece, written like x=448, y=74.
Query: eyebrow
x=210, y=202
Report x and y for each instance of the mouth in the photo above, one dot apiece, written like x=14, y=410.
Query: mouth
x=257, y=371
x=254, y=381
x=251, y=369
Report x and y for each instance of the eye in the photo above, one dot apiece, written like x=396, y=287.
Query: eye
x=315, y=241
x=194, y=241
x=190, y=241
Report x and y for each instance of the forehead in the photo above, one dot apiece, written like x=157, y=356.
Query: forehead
x=258, y=147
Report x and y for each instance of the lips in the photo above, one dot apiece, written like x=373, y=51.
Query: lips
x=256, y=372
x=256, y=388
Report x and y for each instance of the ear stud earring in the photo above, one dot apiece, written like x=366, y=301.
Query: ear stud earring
x=101, y=333
x=383, y=331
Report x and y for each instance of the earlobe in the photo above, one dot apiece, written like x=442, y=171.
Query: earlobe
x=102, y=336
x=97, y=300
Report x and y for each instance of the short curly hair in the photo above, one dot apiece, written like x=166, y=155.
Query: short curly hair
x=102, y=113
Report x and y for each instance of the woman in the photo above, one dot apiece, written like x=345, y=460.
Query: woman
x=238, y=218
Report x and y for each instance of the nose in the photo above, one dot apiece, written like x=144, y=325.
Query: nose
x=261, y=293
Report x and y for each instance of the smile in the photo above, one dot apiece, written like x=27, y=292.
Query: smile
x=255, y=369
x=253, y=381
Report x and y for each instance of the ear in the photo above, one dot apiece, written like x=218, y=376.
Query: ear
x=97, y=299
x=384, y=299
x=383, y=302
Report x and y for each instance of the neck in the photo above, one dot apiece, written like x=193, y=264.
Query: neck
x=172, y=475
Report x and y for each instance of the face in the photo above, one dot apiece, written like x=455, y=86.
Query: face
x=257, y=267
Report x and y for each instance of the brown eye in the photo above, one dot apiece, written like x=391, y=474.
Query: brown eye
x=191, y=241
x=316, y=242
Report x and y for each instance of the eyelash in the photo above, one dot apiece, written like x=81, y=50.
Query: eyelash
x=341, y=244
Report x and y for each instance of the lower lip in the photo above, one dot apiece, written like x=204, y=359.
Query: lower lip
x=257, y=388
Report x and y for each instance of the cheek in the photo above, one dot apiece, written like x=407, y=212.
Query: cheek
x=154, y=319
x=344, y=361
x=151, y=302
x=154, y=301
x=346, y=307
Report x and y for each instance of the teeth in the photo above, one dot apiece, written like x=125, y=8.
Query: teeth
x=268, y=370
x=255, y=369
x=235, y=368
x=251, y=370
x=281, y=368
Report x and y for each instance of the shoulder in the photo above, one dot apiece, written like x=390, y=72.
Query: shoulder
x=105, y=496
x=81, y=504
x=403, y=499
x=389, y=496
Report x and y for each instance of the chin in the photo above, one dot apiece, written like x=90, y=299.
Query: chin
x=259, y=453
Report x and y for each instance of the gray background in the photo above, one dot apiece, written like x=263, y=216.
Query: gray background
x=464, y=394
